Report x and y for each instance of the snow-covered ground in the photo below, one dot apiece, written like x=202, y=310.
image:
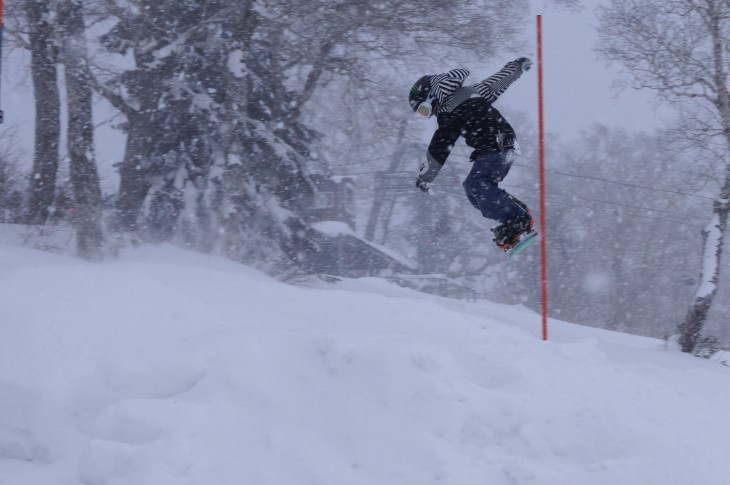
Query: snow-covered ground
x=171, y=367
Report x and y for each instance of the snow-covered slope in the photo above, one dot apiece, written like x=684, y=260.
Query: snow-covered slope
x=170, y=367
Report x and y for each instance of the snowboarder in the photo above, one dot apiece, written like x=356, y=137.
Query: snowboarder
x=468, y=111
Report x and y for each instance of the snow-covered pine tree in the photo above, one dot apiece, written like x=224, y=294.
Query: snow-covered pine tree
x=208, y=154
x=167, y=109
x=267, y=169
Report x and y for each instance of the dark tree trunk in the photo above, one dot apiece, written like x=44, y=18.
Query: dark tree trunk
x=84, y=175
x=133, y=185
x=691, y=329
x=47, y=111
x=713, y=236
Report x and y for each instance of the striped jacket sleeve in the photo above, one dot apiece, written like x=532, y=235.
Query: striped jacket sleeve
x=444, y=85
x=492, y=87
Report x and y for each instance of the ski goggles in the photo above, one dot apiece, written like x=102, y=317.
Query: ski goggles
x=425, y=109
x=428, y=107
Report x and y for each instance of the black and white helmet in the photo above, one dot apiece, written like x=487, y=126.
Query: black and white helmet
x=431, y=94
x=419, y=92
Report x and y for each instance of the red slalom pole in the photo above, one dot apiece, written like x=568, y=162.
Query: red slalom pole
x=543, y=234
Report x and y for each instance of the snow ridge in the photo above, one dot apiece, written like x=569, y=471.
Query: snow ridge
x=169, y=367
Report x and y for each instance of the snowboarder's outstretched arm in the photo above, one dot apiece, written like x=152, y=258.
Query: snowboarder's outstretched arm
x=492, y=87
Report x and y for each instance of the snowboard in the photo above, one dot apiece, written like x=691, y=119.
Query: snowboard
x=525, y=240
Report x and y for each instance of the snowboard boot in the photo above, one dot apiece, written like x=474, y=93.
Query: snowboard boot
x=505, y=235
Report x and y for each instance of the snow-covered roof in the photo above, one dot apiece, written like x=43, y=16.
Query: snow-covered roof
x=337, y=228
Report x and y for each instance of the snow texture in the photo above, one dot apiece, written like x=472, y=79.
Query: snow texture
x=168, y=367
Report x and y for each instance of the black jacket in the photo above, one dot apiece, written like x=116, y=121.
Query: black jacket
x=469, y=112
x=483, y=127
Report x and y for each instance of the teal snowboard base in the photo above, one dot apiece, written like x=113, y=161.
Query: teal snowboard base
x=526, y=241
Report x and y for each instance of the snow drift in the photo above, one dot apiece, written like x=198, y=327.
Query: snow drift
x=170, y=367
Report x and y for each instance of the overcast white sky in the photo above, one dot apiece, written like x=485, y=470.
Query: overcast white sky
x=577, y=86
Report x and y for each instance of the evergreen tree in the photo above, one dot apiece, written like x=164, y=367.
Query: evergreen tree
x=207, y=151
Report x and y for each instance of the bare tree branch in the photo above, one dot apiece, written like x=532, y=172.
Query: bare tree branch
x=679, y=48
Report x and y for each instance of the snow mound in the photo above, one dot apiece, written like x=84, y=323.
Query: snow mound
x=168, y=367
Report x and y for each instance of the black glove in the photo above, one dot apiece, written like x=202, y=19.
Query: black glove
x=424, y=186
x=524, y=63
